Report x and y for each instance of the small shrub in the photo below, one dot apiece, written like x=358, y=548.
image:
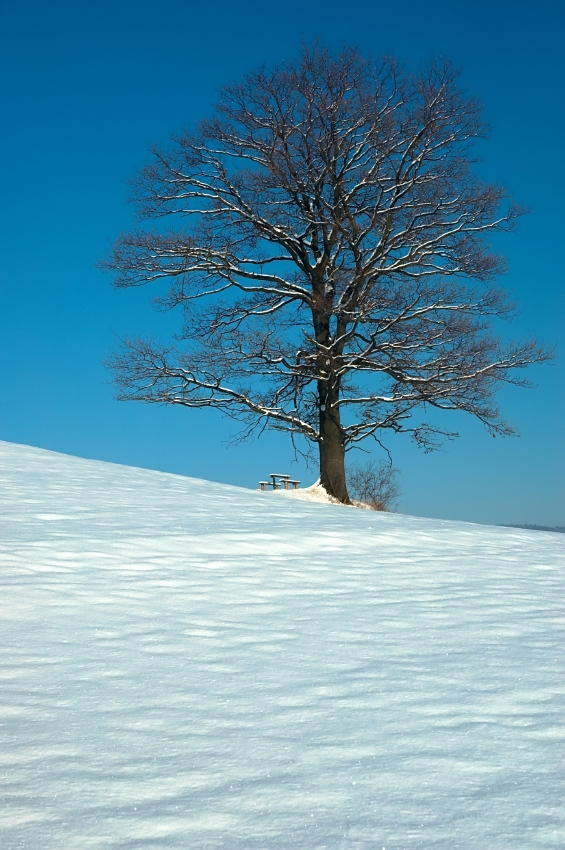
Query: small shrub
x=374, y=485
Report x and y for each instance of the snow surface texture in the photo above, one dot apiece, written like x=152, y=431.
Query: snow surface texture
x=192, y=665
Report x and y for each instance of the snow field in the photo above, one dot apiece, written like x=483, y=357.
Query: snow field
x=190, y=665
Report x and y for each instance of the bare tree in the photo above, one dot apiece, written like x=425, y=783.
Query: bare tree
x=374, y=484
x=330, y=258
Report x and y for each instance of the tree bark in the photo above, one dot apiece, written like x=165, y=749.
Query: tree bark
x=332, y=453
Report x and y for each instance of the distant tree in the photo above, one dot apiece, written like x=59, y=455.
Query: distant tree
x=329, y=258
x=375, y=485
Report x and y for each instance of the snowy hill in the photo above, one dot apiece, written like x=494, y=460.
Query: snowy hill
x=192, y=665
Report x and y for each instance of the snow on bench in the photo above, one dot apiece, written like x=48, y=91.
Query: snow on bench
x=279, y=480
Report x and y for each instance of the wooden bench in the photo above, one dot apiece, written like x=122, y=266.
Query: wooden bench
x=279, y=480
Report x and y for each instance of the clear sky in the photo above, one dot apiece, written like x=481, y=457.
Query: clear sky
x=86, y=87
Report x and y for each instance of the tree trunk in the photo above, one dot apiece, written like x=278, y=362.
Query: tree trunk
x=332, y=455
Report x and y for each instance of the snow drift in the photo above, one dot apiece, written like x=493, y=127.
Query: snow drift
x=191, y=665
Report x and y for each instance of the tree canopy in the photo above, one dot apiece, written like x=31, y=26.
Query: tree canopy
x=327, y=241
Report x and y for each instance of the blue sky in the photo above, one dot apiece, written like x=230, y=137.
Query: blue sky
x=87, y=87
